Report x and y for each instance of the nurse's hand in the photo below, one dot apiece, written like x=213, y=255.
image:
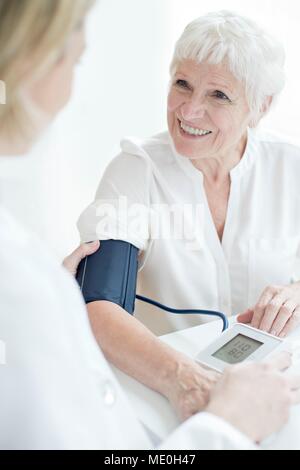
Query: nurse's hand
x=256, y=398
x=277, y=311
x=190, y=388
x=72, y=262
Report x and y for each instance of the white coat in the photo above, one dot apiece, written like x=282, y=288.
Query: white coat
x=56, y=389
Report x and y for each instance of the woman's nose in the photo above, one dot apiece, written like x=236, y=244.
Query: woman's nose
x=192, y=110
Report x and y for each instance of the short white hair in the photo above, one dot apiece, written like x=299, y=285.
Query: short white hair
x=253, y=56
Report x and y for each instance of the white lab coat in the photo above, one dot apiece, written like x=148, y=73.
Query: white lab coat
x=56, y=389
x=261, y=241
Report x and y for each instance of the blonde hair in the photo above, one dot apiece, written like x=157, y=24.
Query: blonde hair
x=32, y=33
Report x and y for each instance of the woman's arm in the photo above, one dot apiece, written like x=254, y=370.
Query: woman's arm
x=132, y=348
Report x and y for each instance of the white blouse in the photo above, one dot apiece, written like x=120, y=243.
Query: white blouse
x=261, y=241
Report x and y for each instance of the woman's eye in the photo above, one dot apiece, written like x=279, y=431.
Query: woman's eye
x=221, y=96
x=182, y=83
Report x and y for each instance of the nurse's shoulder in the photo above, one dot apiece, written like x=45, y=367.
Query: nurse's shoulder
x=33, y=284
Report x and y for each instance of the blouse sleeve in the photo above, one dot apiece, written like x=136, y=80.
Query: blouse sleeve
x=120, y=210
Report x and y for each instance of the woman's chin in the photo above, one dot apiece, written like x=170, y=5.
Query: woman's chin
x=188, y=151
x=191, y=147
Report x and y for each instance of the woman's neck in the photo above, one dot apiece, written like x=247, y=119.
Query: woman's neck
x=217, y=168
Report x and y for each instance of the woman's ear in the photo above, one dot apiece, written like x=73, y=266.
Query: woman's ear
x=263, y=111
x=266, y=106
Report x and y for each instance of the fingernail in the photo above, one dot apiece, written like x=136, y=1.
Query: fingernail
x=274, y=333
x=282, y=335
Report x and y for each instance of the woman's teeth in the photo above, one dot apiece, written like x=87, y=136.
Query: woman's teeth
x=193, y=131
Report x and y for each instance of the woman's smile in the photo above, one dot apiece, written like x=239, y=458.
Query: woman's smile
x=192, y=132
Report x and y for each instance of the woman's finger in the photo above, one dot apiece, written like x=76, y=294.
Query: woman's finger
x=275, y=309
x=280, y=361
x=259, y=308
x=292, y=324
x=285, y=314
x=246, y=317
x=71, y=263
x=294, y=382
x=87, y=249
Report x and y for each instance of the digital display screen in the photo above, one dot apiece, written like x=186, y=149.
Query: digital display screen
x=238, y=349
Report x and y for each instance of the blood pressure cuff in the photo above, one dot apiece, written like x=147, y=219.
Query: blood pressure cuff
x=110, y=274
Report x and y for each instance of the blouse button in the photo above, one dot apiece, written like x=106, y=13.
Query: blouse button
x=109, y=393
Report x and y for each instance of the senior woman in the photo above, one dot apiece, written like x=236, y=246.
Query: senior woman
x=57, y=390
x=240, y=248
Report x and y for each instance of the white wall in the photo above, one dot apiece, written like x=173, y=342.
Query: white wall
x=121, y=90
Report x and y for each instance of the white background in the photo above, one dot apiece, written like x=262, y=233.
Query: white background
x=120, y=90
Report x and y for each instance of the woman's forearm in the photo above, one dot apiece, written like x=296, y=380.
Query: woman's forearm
x=131, y=347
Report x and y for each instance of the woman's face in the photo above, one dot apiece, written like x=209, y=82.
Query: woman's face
x=208, y=113
x=52, y=91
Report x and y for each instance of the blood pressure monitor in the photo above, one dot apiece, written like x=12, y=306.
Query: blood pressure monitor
x=239, y=344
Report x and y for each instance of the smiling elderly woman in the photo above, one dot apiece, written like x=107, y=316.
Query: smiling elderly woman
x=242, y=187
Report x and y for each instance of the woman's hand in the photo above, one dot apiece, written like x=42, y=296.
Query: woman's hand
x=189, y=391
x=277, y=311
x=256, y=398
x=72, y=262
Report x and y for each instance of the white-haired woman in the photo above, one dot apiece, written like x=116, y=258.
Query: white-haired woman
x=56, y=389
x=244, y=253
